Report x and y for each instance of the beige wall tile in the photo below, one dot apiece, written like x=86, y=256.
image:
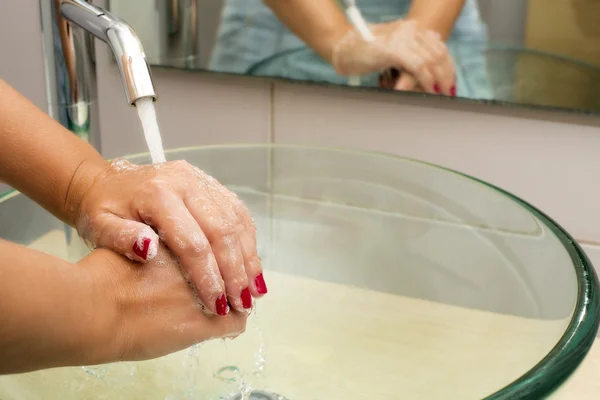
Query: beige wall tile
x=21, y=60
x=193, y=109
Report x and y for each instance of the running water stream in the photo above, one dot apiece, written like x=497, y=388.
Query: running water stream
x=147, y=115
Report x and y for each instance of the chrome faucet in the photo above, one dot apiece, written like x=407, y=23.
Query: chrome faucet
x=70, y=62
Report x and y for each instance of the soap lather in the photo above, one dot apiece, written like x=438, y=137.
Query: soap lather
x=388, y=78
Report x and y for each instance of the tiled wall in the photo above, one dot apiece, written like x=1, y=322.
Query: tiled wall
x=548, y=159
x=21, y=60
x=21, y=51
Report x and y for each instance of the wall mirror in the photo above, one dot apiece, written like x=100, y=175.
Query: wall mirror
x=526, y=52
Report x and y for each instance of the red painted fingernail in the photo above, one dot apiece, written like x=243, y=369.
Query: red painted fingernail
x=436, y=88
x=221, y=305
x=246, y=298
x=141, y=250
x=261, y=286
x=453, y=91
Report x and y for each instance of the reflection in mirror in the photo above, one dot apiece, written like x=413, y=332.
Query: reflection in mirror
x=530, y=52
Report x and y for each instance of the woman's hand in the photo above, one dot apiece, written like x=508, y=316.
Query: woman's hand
x=204, y=224
x=149, y=310
x=112, y=205
x=103, y=309
x=403, y=45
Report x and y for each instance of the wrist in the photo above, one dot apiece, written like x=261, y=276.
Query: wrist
x=67, y=311
x=83, y=178
x=102, y=336
x=330, y=43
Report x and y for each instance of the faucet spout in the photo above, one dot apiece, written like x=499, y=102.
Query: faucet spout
x=122, y=40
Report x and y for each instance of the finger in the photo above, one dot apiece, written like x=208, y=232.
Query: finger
x=442, y=66
x=247, y=238
x=253, y=264
x=235, y=211
x=135, y=240
x=406, y=82
x=415, y=63
x=424, y=78
x=182, y=234
x=426, y=75
x=222, y=231
x=192, y=326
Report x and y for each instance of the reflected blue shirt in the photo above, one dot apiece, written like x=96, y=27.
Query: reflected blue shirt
x=251, y=39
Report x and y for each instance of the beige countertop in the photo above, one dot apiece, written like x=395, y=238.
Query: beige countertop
x=329, y=341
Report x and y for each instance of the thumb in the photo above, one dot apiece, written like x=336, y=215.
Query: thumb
x=406, y=82
x=135, y=240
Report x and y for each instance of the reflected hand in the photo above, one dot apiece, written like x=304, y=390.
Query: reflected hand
x=204, y=224
x=403, y=45
x=147, y=311
x=394, y=80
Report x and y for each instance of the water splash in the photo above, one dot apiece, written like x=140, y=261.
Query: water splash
x=245, y=389
x=193, y=364
x=260, y=357
x=233, y=374
x=147, y=115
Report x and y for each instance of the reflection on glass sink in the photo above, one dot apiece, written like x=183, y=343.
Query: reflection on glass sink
x=388, y=278
x=502, y=73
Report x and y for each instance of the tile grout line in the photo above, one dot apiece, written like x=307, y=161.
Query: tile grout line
x=271, y=167
x=272, y=112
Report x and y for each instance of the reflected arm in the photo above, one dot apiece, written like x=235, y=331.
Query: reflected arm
x=40, y=158
x=437, y=15
x=321, y=24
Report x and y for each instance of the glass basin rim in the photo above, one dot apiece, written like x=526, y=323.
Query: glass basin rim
x=586, y=316
x=555, y=367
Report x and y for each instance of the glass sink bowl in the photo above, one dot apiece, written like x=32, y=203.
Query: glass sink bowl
x=388, y=278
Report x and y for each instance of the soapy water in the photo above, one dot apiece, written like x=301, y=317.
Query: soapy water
x=191, y=382
x=147, y=115
x=233, y=374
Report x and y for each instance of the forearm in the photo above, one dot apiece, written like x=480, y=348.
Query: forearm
x=38, y=156
x=436, y=15
x=321, y=24
x=49, y=316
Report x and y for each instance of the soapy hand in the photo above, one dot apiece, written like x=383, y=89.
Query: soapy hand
x=147, y=311
x=420, y=55
x=203, y=223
